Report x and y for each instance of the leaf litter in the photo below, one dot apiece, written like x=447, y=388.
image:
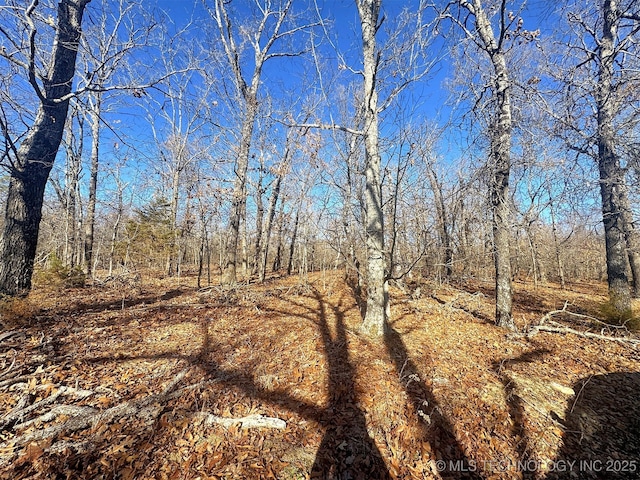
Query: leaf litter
x=273, y=381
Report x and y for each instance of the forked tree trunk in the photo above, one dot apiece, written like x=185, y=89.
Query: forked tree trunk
x=375, y=319
x=611, y=178
x=37, y=152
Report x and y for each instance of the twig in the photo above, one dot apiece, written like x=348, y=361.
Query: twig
x=579, y=393
x=6, y=335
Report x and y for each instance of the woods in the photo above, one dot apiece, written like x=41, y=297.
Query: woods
x=219, y=117
x=383, y=178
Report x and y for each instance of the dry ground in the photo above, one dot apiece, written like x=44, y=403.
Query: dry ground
x=136, y=381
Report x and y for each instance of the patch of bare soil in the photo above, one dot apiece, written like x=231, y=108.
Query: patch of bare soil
x=162, y=380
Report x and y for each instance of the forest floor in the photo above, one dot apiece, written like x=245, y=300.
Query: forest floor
x=160, y=379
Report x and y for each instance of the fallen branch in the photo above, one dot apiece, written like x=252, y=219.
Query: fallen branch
x=14, y=380
x=564, y=310
x=18, y=413
x=68, y=410
x=555, y=327
x=250, y=421
x=544, y=328
x=6, y=335
x=146, y=408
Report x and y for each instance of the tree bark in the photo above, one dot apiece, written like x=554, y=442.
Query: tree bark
x=94, y=115
x=632, y=238
x=611, y=178
x=35, y=157
x=446, y=253
x=375, y=319
x=500, y=163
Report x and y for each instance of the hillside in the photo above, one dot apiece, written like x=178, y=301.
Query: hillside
x=157, y=379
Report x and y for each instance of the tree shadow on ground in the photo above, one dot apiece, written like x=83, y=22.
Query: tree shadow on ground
x=602, y=430
x=437, y=430
x=124, y=300
x=346, y=451
x=515, y=403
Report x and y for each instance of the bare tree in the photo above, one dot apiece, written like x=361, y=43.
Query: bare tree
x=30, y=163
x=274, y=24
x=494, y=41
x=116, y=32
x=389, y=70
x=611, y=174
x=375, y=319
x=599, y=120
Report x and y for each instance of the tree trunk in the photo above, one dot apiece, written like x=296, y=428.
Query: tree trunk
x=172, y=256
x=238, y=202
x=556, y=244
x=446, y=252
x=375, y=319
x=611, y=178
x=257, y=246
x=294, y=237
x=267, y=227
x=89, y=227
x=632, y=238
x=35, y=157
x=500, y=164
x=277, y=260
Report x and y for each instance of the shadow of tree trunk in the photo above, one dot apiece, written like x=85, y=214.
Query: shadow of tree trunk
x=516, y=407
x=346, y=451
x=437, y=430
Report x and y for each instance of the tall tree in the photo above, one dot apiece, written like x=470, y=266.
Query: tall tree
x=273, y=25
x=401, y=61
x=611, y=175
x=599, y=120
x=31, y=162
x=494, y=43
x=375, y=318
